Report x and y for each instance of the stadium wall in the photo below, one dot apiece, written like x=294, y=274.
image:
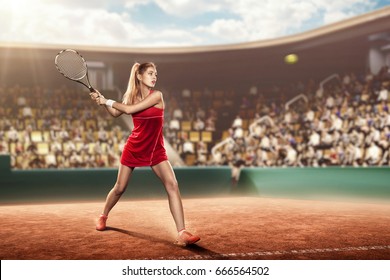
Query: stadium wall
x=313, y=183
x=56, y=185
x=40, y=185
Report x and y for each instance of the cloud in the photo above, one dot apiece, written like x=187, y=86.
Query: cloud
x=111, y=23
x=336, y=10
x=227, y=31
x=271, y=19
x=65, y=23
x=188, y=8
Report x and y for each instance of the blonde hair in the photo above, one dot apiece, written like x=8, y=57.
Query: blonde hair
x=133, y=87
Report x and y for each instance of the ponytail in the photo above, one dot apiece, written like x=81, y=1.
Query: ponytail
x=132, y=88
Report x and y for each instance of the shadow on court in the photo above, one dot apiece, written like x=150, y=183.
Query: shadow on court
x=194, y=248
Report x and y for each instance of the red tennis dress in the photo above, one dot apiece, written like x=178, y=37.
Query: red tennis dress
x=145, y=145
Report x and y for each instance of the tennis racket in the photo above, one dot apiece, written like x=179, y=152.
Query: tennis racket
x=72, y=65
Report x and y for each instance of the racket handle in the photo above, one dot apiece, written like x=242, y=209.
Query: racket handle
x=91, y=89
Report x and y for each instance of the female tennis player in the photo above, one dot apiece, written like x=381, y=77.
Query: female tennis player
x=145, y=145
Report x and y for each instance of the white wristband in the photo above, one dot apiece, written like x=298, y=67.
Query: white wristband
x=110, y=102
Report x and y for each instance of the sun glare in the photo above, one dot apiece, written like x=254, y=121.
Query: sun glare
x=19, y=6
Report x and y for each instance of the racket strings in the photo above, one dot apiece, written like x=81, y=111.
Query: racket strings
x=71, y=65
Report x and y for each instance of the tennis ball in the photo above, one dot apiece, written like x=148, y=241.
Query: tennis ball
x=291, y=58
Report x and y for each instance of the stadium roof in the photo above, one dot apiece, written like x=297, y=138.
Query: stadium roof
x=341, y=46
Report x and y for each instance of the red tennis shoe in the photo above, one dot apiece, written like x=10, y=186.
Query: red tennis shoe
x=185, y=238
x=101, y=223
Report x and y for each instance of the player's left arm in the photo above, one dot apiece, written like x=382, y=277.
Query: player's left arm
x=150, y=101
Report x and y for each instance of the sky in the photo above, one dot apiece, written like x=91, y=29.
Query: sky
x=168, y=23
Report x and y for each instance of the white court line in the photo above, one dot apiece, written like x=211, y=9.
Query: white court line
x=282, y=252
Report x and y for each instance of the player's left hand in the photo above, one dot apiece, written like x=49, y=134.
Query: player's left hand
x=100, y=100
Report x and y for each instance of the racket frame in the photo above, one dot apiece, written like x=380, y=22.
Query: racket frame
x=87, y=84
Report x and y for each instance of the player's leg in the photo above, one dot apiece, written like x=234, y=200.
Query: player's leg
x=165, y=172
x=124, y=174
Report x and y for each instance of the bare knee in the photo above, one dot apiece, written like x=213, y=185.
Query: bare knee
x=119, y=188
x=172, y=187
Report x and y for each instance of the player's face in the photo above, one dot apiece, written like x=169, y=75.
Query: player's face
x=149, y=77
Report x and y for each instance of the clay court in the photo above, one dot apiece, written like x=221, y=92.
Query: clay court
x=231, y=227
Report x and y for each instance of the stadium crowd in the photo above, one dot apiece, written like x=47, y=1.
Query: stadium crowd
x=42, y=128
x=346, y=122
